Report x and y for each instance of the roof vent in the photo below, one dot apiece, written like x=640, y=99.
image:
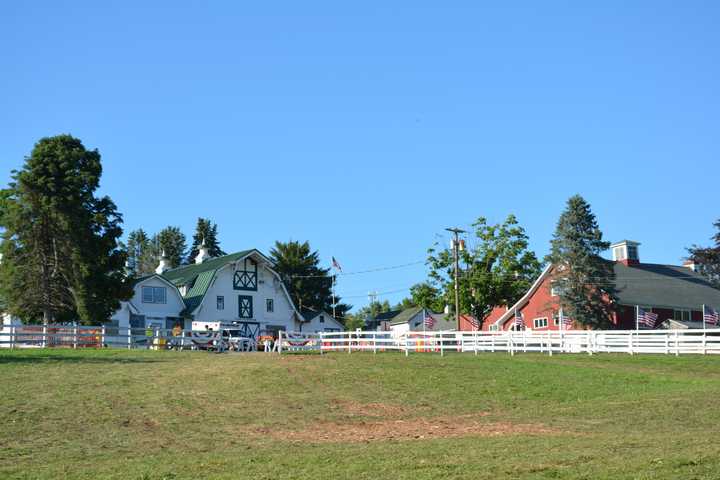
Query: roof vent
x=626, y=252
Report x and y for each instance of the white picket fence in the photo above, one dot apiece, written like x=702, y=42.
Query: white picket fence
x=668, y=342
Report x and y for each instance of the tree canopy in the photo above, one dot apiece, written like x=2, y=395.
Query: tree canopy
x=707, y=259
x=206, y=231
x=496, y=269
x=309, y=285
x=583, y=279
x=61, y=259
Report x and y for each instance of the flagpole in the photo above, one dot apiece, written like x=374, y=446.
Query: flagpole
x=333, y=297
x=703, y=314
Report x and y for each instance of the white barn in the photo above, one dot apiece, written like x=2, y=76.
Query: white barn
x=240, y=287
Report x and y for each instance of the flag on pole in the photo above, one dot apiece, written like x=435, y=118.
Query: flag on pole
x=566, y=322
x=429, y=321
x=336, y=265
x=710, y=316
x=646, y=318
x=518, y=319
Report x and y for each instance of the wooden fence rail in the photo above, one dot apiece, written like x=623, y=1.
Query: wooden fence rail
x=668, y=342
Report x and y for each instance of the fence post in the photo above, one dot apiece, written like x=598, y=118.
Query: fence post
x=320, y=340
x=511, y=344
x=667, y=343
x=476, y=342
x=102, y=337
x=407, y=352
x=12, y=337
x=549, y=344
x=442, y=344
x=630, y=342
x=704, y=337
x=677, y=344
x=374, y=341
x=591, y=342
x=279, y=345
x=492, y=342
x=75, y=336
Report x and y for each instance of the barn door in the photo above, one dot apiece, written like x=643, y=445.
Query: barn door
x=245, y=306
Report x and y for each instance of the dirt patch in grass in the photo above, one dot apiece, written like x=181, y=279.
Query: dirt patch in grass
x=383, y=410
x=409, y=429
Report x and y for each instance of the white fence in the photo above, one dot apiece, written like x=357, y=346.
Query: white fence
x=74, y=336
x=668, y=342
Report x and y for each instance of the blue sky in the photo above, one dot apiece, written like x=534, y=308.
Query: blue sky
x=368, y=129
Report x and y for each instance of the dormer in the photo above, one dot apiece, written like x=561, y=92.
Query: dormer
x=626, y=252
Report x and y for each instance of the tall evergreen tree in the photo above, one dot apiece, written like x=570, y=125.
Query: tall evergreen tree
x=140, y=259
x=206, y=231
x=584, y=280
x=170, y=241
x=309, y=285
x=707, y=259
x=61, y=259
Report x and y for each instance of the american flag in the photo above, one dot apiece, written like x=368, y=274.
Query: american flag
x=336, y=265
x=473, y=322
x=518, y=319
x=566, y=321
x=710, y=316
x=646, y=318
x=429, y=321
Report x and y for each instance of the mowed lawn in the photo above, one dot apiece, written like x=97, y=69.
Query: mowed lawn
x=145, y=414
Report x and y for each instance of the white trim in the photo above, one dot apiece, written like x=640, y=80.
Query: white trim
x=525, y=298
x=166, y=281
x=535, y=325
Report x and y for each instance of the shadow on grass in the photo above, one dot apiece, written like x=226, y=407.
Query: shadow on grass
x=73, y=356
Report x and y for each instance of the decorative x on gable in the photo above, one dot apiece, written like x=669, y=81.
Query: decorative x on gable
x=245, y=278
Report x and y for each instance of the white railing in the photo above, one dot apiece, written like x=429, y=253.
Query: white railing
x=669, y=342
x=78, y=336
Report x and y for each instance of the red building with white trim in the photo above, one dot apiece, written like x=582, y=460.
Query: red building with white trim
x=675, y=293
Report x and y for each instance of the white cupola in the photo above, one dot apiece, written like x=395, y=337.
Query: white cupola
x=626, y=251
x=203, y=253
x=164, y=265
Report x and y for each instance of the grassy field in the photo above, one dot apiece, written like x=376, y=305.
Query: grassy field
x=143, y=414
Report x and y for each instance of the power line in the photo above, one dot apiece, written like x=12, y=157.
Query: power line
x=359, y=272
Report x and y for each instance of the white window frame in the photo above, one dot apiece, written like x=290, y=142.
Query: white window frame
x=154, y=294
x=269, y=305
x=535, y=323
x=220, y=302
x=493, y=328
x=682, y=311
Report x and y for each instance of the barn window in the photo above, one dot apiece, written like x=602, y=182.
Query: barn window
x=682, y=315
x=322, y=318
x=540, y=322
x=154, y=295
x=269, y=305
x=220, y=302
x=245, y=278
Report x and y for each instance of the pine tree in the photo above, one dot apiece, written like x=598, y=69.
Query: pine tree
x=205, y=231
x=61, y=259
x=170, y=241
x=309, y=285
x=584, y=280
x=139, y=254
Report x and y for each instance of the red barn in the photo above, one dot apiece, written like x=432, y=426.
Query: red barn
x=676, y=293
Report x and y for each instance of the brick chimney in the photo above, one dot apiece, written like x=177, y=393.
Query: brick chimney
x=626, y=252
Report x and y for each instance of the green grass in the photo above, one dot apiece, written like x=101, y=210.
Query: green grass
x=144, y=414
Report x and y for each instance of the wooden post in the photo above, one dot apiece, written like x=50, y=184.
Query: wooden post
x=630, y=342
x=677, y=344
x=704, y=344
x=667, y=343
x=407, y=352
x=374, y=340
x=442, y=344
x=492, y=342
x=102, y=337
x=549, y=344
x=12, y=337
x=75, y=337
x=476, y=342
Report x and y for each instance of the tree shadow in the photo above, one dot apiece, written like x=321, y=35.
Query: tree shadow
x=73, y=356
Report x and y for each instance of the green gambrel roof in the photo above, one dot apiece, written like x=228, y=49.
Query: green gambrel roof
x=198, y=277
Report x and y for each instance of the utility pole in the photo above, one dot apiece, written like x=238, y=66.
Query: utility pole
x=456, y=260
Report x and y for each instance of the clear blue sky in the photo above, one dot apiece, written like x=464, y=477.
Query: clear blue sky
x=368, y=129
